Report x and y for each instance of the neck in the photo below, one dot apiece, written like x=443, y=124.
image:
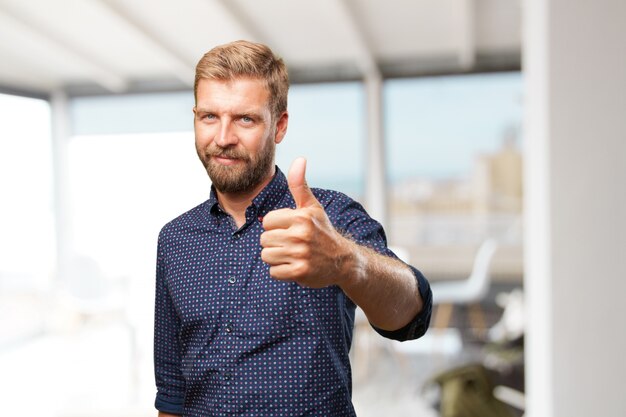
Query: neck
x=236, y=204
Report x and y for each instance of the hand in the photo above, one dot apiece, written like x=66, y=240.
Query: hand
x=301, y=244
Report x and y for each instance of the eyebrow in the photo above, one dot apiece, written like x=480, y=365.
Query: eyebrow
x=249, y=113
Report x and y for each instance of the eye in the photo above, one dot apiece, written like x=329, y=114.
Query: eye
x=246, y=119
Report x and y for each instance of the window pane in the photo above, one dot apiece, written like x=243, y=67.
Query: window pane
x=124, y=188
x=326, y=125
x=26, y=223
x=455, y=167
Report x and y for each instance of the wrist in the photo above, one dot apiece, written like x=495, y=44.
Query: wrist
x=352, y=263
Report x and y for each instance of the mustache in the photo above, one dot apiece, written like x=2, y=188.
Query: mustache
x=232, y=153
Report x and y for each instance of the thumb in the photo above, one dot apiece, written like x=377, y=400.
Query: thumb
x=300, y=191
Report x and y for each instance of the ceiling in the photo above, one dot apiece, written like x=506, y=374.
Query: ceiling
x=117, y=46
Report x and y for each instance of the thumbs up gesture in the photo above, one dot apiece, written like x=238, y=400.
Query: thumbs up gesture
x=301, y=245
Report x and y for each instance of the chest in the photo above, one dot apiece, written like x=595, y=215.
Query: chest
x=219, y=280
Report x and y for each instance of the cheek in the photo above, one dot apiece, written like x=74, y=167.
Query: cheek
x=203, y=135
x=254, y=141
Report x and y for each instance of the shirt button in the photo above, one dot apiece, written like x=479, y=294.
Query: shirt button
x=227, y=376
x=232, y=280
x=228, y=328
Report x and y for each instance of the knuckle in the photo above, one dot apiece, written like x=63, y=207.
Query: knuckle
x=270, y=218
x=302, y=217
x=302, y=269
x=303, y=251
x=307, y=232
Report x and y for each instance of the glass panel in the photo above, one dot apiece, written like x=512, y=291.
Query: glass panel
x=26, y=189
x=455, y=167
x=455, y=175
x=326, y=125
x=27, y=249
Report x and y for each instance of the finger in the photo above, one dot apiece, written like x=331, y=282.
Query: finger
x=275, y=238
x=278, y=219
x=274, y=256
x=282, y=272
x=296, y=178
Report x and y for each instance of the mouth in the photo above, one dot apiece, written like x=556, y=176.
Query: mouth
x=225, y=160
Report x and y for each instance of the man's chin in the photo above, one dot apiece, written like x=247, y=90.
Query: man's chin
x=226, y=181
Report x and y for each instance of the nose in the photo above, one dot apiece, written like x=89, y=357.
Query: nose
x=226, y=136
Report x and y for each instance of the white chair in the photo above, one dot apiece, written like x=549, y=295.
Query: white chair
x=470, y=291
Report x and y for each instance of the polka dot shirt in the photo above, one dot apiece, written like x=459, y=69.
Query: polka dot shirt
x=231, y=341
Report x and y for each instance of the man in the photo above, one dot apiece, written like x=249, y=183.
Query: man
x=256, y=287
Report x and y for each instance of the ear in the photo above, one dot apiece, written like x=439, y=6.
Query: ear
x=281, y=127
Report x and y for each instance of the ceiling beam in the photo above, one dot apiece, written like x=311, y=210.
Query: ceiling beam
x=245, y=24
x=467, y=34
x=366, y=61
x=96, y=70
x=181, y=67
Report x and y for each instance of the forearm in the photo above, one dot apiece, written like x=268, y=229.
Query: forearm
x=162, y=414
x=383, y=287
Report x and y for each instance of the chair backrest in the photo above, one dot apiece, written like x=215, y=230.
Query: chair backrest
x=480, y=279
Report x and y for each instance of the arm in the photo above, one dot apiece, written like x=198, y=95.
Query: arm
x=384, y=287
x=162, y=414
x=302, y=245
x=167, y=355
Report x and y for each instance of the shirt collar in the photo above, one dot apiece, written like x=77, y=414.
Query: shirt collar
x=264, y=202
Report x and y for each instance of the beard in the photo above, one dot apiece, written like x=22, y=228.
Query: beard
x=243, y=176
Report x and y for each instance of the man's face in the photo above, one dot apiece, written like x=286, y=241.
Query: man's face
x=235, y=133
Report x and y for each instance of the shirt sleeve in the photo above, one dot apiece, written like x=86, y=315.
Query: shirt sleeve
x=167, y=355
x=351, y=218
x=418, y=326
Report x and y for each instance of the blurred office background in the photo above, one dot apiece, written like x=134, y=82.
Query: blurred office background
x=487, y=136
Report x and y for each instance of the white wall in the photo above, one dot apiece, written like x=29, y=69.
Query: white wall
x=575, y=69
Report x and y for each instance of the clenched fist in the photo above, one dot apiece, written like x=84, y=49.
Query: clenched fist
x=301, y=244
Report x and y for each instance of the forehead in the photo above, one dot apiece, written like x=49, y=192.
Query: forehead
x=234, y=93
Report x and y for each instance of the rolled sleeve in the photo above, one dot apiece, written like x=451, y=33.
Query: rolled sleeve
x=166, y=404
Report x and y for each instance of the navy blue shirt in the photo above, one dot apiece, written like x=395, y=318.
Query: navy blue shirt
x=230, y=340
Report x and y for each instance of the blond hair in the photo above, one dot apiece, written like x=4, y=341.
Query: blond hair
x=247, y=59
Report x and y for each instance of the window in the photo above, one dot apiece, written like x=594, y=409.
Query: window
x=26, y=188
x=326, y=125
x=454, y=165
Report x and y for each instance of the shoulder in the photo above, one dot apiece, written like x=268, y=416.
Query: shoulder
x=337, y=204
x=348, y=214
x=330, y=199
